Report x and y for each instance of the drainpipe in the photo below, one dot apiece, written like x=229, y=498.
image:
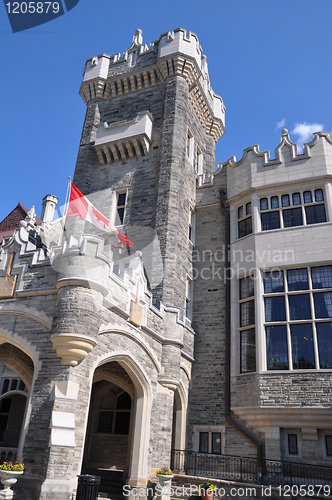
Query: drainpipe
x=228, y=412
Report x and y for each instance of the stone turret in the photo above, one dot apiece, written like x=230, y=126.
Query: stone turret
x=84, y=269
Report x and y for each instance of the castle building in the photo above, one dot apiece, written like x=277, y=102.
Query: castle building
x=214, y=335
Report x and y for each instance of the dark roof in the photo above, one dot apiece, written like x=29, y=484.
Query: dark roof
x=13, y=219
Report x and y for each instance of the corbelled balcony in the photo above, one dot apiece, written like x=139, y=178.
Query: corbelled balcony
x=124, y=140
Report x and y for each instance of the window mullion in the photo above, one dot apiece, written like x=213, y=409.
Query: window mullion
x=281, y=219
x=314, y=334
x=289, y=338
x=304, y=218
x=314, y=331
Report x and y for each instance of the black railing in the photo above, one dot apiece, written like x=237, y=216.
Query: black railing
x=249, y=470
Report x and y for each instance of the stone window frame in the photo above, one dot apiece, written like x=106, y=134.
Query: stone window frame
x=314, y=321
x=210, y=430
x=299, y=444
x=250, y=327
x=276, y=203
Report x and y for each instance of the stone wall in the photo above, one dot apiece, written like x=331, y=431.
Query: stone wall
x=283, y=390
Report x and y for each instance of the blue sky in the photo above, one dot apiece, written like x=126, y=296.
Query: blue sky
x=270, y=60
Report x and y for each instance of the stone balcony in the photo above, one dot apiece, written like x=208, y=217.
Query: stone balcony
x=124, y=140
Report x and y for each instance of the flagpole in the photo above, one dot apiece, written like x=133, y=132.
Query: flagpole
x=64, y=213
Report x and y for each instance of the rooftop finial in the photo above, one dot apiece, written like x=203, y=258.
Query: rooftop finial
x=137, y=38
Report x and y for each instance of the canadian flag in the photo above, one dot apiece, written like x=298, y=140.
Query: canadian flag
x=80, y=206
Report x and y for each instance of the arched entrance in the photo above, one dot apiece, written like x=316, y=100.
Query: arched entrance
x=16, y=373
x=179, y=427
x=108, y=431
x=119, y=420
x=179, y=419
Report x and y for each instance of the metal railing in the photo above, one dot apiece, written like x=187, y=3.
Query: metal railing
x=249, y=470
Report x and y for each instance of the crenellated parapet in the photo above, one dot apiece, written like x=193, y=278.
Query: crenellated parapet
x=256, y=169
x=83, y=263
x=174, y=54
x=284, y=141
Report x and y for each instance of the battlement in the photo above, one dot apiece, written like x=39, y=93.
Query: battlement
x=178, y=41
x=176, y=53
x=168, y=43
x=256, y=169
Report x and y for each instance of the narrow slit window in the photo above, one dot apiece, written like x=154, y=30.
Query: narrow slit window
x=120, y=208
x=292, y=444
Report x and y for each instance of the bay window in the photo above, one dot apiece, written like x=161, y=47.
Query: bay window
x=298, y=318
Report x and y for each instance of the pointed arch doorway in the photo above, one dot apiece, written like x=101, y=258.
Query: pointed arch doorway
x=117, y=432
x=110, y=419
x=16, y=378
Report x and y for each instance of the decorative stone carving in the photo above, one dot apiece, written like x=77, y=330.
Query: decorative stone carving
x=72, y=348
x=168, y=383
x=30, y=220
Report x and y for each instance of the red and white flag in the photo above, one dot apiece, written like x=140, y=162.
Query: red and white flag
x=80, y=206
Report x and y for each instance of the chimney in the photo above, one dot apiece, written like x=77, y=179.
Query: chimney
x=49, y=204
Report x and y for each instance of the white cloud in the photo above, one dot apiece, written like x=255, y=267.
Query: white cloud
x=304, y=132
x=281, y=123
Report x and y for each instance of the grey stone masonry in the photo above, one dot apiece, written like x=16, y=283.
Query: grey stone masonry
x=207, y=391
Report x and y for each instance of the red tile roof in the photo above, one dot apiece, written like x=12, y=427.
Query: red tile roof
x=13, y=219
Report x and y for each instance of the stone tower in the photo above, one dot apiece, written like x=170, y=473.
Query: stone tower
x=151, y=125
